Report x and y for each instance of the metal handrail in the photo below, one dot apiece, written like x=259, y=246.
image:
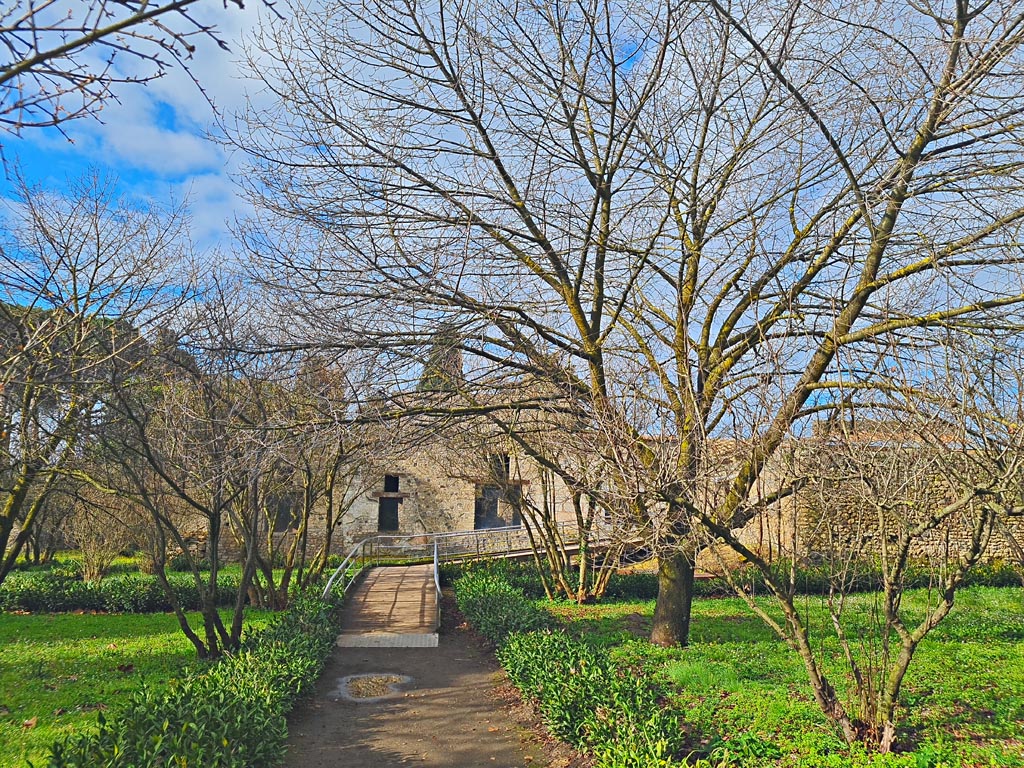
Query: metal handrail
x=342, y=569
x=374, y=549
x=437, y=586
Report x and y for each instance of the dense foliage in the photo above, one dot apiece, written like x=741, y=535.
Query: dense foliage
x=737, y=696
x=743, y=700
x=592, y=702
x=62, y=589
x=584, y=697
x=227, y=715
x=809, y=579
x=496, y=608
x=59, y=669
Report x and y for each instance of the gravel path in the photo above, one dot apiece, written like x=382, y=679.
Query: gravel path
x=446, y=714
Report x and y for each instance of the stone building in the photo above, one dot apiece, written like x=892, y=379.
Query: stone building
x=453, y=483
x=439, y=486
x=835, y=512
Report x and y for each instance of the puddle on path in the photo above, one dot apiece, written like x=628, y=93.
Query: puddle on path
x=369, y=687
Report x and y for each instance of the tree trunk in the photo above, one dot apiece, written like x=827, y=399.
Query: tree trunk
x=675, y=596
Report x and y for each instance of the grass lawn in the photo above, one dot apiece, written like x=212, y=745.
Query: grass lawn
x=738, y=687
x=58, y=670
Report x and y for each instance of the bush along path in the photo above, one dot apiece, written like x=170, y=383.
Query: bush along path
x=62, y=589
x=583, y=696
x=230, y=714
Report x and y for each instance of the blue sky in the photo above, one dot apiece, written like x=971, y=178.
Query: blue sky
x=154, y=139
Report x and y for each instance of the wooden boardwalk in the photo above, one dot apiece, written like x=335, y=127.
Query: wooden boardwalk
x=392, y=607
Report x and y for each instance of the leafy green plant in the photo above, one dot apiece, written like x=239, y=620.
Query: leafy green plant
x=227, y=715
x=181, y=564
x=521, y=575
x=57, y=590
x=746, y=749
x=585, y=697
x=590, y=701
x=53, y=590
x=810, y=579
x=496, y=608
x=963, y=705
x=59, y=670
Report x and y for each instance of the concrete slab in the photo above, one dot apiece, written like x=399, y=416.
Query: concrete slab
x=388, y=640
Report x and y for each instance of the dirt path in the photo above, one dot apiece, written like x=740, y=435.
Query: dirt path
x=447, y=714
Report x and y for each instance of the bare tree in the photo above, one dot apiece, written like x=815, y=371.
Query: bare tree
x=694, y=222
x=82, y=275
x=312, y=451
x=185, y=450
x=63, y=60
x=101, y=527
x=550, y=476
x=331, y=445
x=910, y=484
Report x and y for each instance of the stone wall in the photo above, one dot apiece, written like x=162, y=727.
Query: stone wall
x=849, y=530
x=438, y=485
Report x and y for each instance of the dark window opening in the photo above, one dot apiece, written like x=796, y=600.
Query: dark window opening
x=512, y=495
x=387, y=514
x=284, y=509
x=500, y=465
x=487, y=512
x=387, y=506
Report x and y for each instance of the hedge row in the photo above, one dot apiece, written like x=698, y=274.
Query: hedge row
x=228, y=715
x=811, y=580
x=55, y=590
x=496, y=608
x=584, y=697
x=591, y=702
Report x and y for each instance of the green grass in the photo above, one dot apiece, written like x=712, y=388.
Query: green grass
x=737, y=684
x=58, y=670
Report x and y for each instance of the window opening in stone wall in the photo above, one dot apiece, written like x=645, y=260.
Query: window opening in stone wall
x=387, y=506
x=501, y=466
x=283, y=508
x=497, y=497
x=487, y=513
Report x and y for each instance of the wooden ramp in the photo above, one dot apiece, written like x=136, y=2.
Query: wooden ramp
x=393, y=607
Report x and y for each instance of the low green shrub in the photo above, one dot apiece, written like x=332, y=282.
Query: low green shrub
x=333, y=563
x=184, y=587
x=69, y=566
x=995, y=573
x=227, y=715
x=632, y=586
x=496, y=608
x=520, y=574
x=592, y=702
x=585, y=697
x=58, y=590
x=743, y=749
x=49, y=591
x=810, y=579
x=182, y=564
x=133, y=593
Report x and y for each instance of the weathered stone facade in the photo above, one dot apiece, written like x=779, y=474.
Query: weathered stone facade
x=446, y=484
x=836, y=512
x=438, y=486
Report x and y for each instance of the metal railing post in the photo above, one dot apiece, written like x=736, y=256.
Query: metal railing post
x=437, y=584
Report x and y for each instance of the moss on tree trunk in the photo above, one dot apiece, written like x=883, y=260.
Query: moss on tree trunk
x=675, y=597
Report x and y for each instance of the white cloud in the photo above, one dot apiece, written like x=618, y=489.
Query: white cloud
x=155, y=136
x=214, y=203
